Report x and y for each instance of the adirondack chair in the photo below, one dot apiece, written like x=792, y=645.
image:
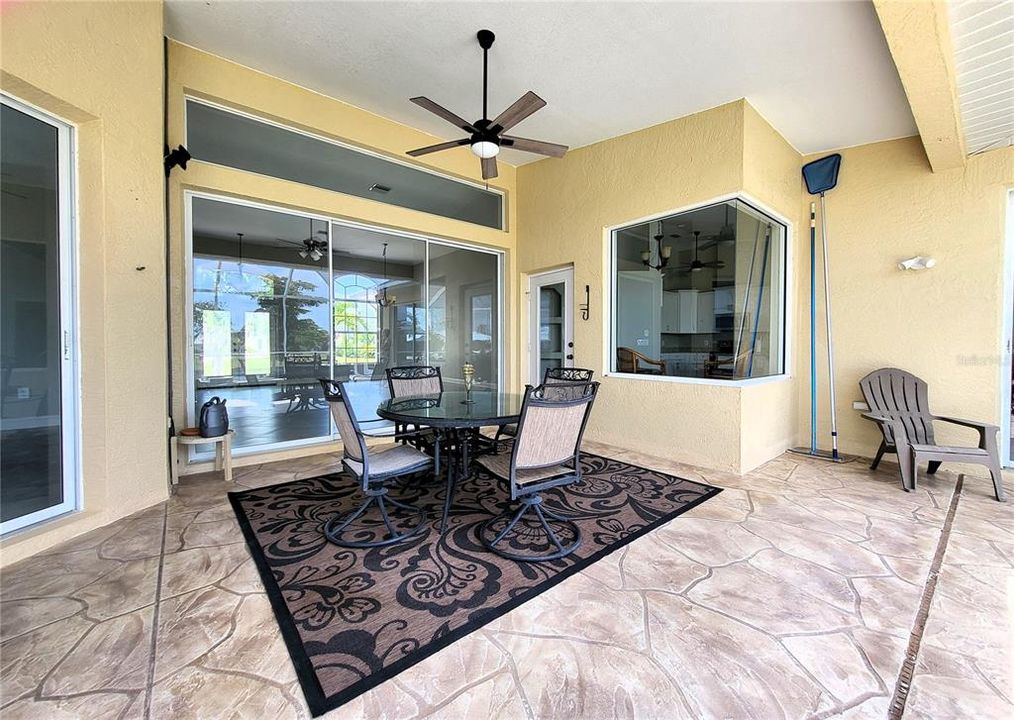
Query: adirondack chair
x=899, y=405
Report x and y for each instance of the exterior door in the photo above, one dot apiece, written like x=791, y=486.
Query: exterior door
x=551, y=319
x=38, y=379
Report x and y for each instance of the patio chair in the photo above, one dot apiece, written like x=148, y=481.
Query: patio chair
x=407, y=380
x=631, y=361
x=899, y=404
x=373, y=469
x=546, y=454
x=553, y=376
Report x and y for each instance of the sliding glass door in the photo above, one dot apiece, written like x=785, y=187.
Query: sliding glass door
x=38, y=416
x=280, y=300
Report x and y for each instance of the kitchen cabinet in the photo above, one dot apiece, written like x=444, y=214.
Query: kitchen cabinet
x=725, y=300
x=687, y=311
x=705, y=312
x=670, y=312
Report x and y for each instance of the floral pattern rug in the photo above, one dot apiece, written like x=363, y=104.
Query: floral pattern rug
x=353, y=618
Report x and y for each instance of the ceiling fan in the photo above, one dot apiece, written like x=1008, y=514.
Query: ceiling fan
x=310, y=247
x=696, y=265
x=486, y=136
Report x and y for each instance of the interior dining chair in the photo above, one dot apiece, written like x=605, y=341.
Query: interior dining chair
x=408, y=380
x=373, y=470
x=546, y=454
x=555, y=376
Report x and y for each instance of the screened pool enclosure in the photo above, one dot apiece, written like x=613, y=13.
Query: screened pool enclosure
x=279, y=299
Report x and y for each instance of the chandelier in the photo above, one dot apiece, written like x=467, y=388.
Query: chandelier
x=383, y=299
x=664, y=251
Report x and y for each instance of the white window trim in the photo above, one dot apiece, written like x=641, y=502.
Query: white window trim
x=188, y=304
x=70, y=390
x=1007, y=336
x=788, y=297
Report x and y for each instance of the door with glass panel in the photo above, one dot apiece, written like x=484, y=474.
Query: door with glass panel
x=38, y=410
x=551, y=323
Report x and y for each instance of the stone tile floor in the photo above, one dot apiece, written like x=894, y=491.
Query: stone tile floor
x=792, y=594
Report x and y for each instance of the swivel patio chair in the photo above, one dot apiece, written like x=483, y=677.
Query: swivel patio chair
x=373, y=469
x=407, y=380
x=553, y=376
x=899, y=404
x=546, y=454
x=414, y=380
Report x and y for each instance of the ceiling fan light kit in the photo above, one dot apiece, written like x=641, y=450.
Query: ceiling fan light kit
x=486, y=136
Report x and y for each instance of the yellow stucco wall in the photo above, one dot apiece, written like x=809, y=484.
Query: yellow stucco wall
x=565, y=207
x=199, y=74
x=943, y=324
x=768, y=412
x=99, y=66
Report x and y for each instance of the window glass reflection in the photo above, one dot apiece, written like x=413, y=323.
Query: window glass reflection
x=280, y=301
x=700, y=294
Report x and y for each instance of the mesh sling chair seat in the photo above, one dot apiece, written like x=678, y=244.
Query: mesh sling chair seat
x=408, y=380
x=545, y=454
x=553, y=376
x=899, y=404
x=373, y=469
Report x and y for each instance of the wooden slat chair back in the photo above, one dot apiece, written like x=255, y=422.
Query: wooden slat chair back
x=629, y=360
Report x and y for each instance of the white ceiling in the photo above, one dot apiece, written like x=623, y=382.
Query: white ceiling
x=820, y=72
x=983, y=37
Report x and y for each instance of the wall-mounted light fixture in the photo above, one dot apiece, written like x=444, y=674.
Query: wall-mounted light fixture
x=918, y=262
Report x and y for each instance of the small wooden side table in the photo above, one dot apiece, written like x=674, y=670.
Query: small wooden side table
x=223, y=452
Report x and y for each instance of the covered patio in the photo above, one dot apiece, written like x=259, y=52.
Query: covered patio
x=533, y=360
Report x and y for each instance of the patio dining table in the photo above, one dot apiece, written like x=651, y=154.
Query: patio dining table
x=456, y=416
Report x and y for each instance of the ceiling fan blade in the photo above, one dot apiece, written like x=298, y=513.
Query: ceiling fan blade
x=443, y=112
x=438, y=147
x=522, y=108
x=488, y=168
x=533, y=146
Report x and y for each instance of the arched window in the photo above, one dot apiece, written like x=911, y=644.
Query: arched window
x=355, y=321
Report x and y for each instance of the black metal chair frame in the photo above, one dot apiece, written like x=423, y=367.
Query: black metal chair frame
x=552, y=376
x=529, y=495
x=403, y=432
x=373, y=484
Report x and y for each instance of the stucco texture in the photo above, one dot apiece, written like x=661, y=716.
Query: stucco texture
x=99, y=66
x=564, y=209
x=199, y=74
x=943, y=324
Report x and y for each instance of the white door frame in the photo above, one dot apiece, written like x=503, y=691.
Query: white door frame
x=1007, y=337
x=70, y=426
x=536, y=281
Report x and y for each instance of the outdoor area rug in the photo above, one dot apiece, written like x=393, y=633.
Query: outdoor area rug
x=354, y=618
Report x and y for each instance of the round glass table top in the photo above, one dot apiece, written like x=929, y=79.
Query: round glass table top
x=450, y=409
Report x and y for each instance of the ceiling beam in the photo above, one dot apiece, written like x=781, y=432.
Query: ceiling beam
x=918, y=36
